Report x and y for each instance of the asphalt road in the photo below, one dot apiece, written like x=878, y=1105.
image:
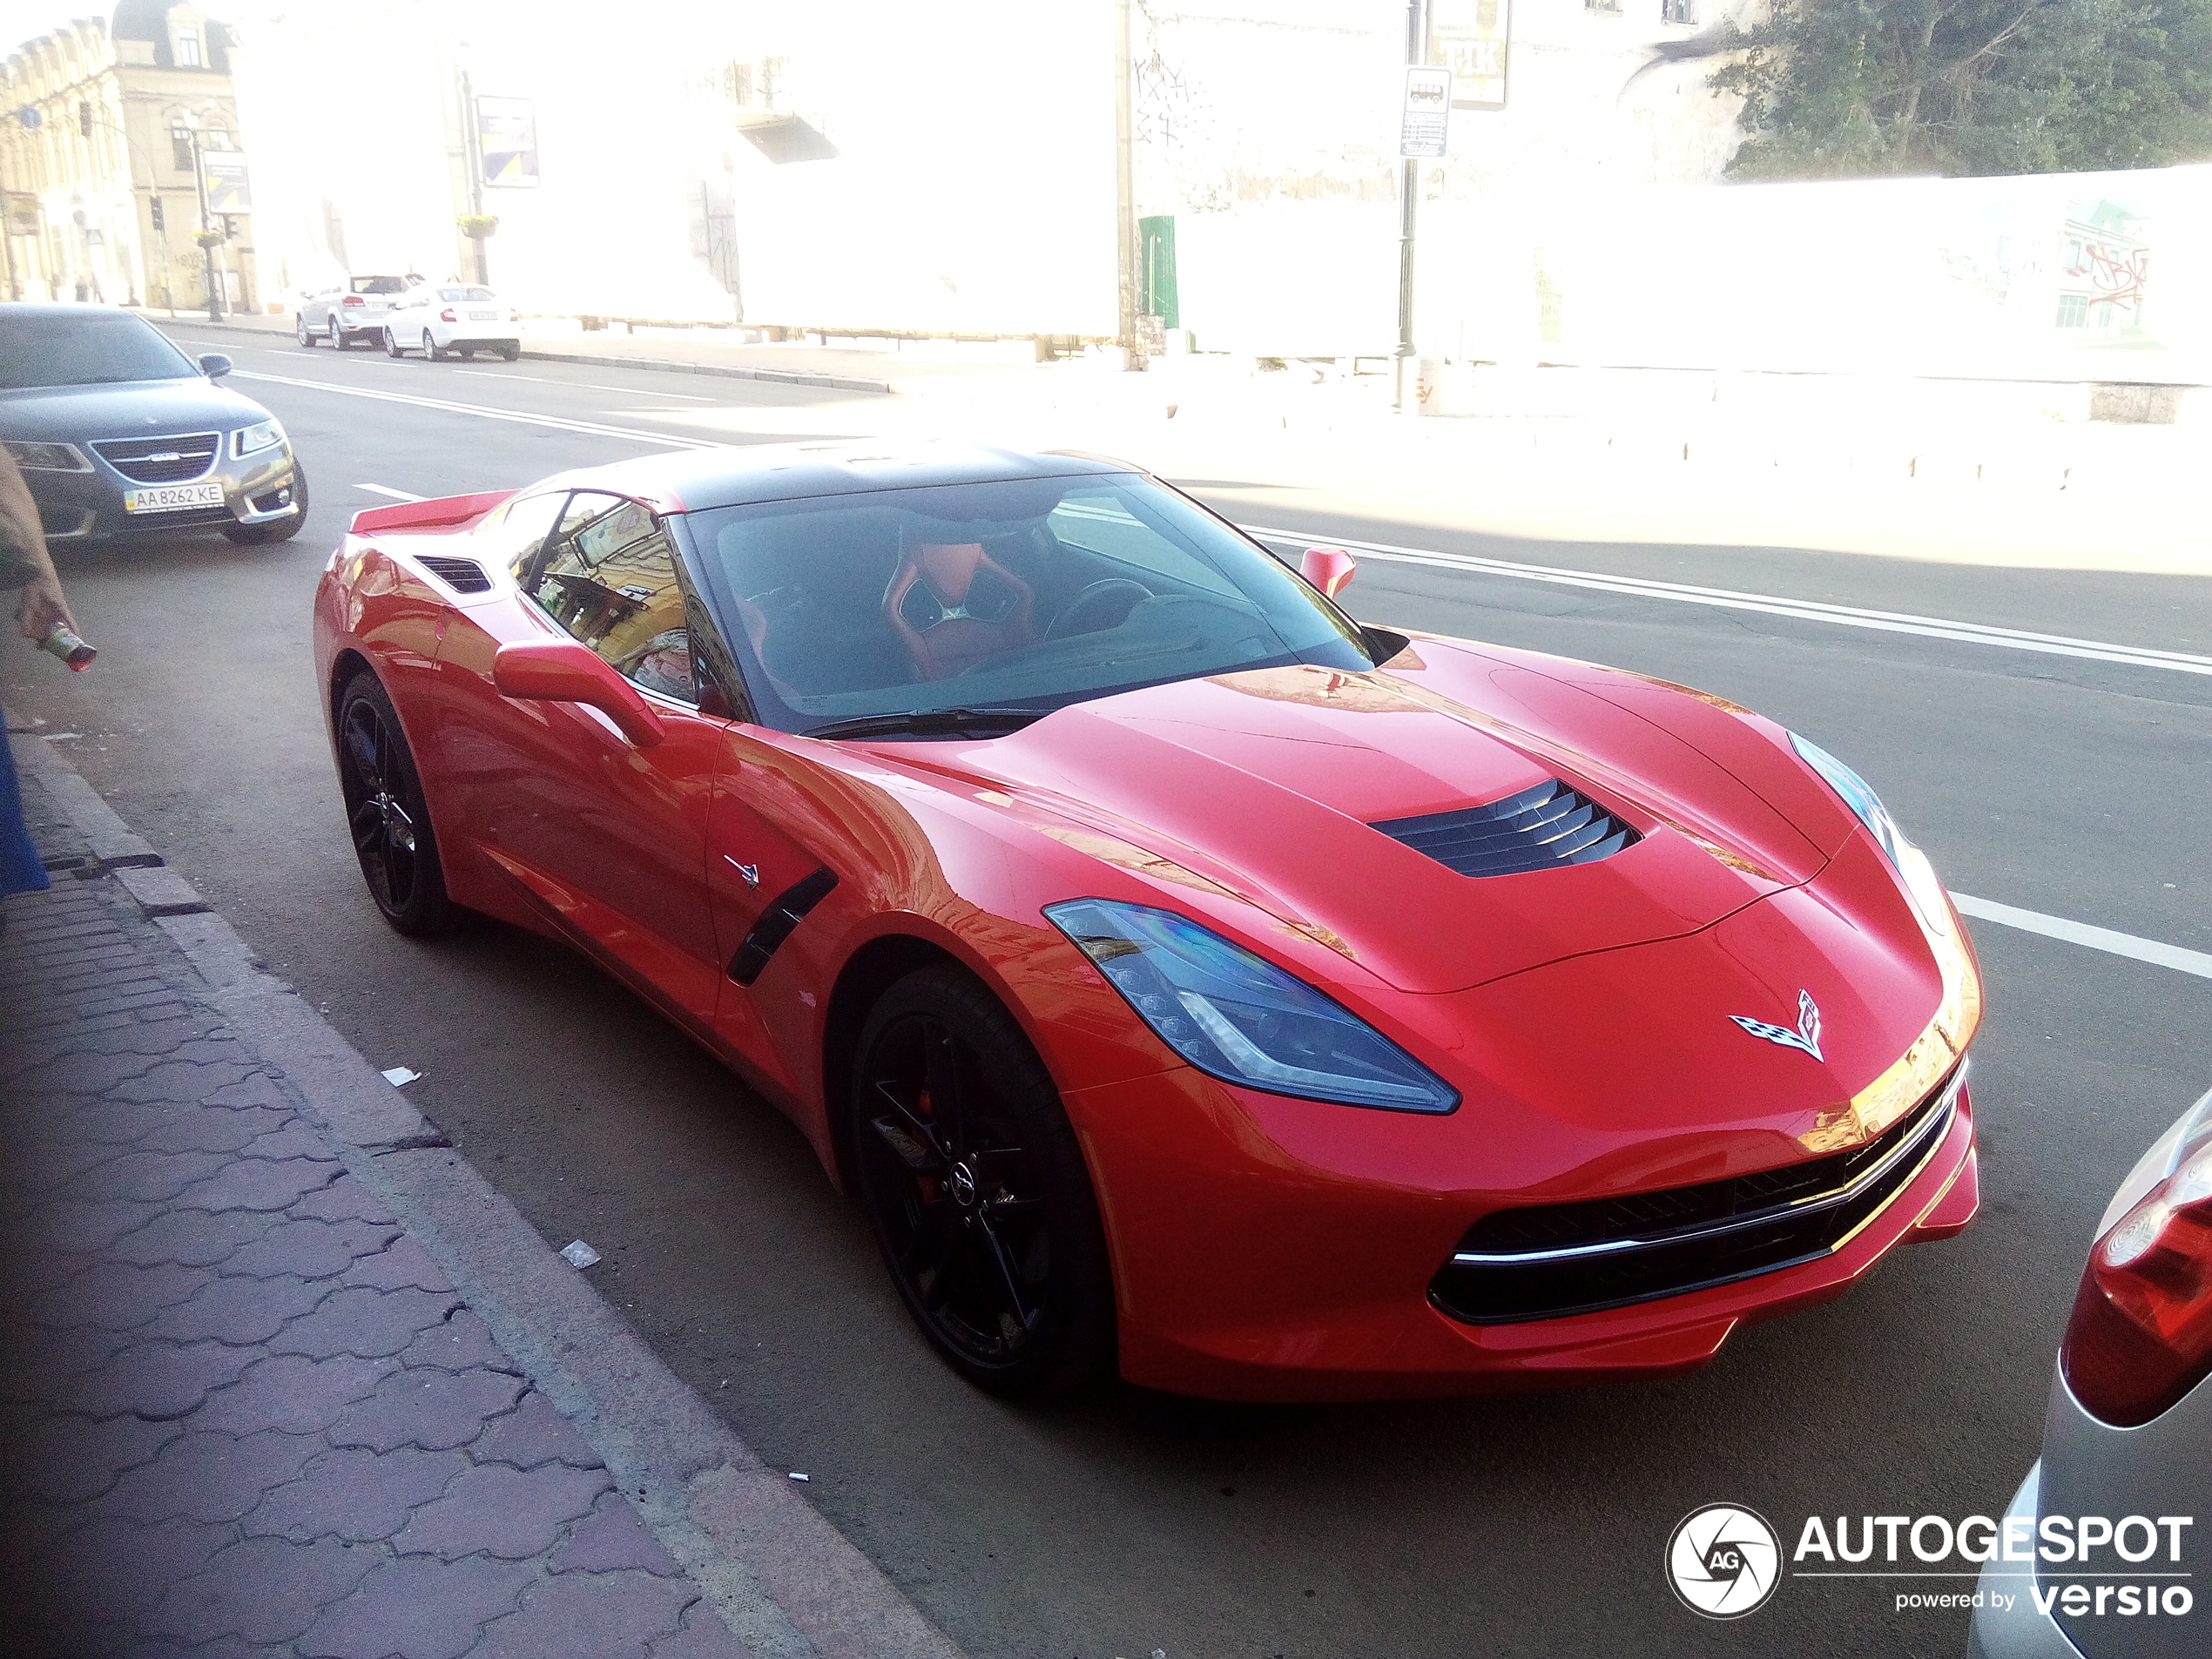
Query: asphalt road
x=1126, y=1523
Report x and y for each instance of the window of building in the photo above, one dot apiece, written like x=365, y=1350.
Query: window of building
x=1611, y=6
x=187, y=42
x=609, y=577
x=181, y=149
x=2073, y=310
x=1677, y=10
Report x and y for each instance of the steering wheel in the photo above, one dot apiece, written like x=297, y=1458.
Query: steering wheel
x=1094, y=608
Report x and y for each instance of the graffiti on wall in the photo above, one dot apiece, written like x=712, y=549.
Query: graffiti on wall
x=2104, y=269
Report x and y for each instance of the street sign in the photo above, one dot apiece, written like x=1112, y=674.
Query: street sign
x=229, y=191
x=507, y=140
x=1424, y=124
x=1468, y=37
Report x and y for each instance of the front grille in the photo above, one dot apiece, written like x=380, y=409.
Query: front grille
x=1548, y=1260
x=1541, y=828
x=183, y=518
x=162, y=460
x=462, y=576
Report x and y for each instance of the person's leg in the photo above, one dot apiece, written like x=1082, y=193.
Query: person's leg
x=20, y=870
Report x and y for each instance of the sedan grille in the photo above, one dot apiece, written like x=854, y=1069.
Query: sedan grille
x=162, y=460
x=462, y=576
x=1541, y=828
x=1549, y=1260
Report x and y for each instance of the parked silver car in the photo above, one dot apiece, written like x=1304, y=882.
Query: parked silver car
x=349, y=311
x=462, y=318
x=2113, y=1517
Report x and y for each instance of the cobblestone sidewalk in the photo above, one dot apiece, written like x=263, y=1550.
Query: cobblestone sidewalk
x=244, y=1413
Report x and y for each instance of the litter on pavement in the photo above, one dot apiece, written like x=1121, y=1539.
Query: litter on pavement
x=797, y=1476
x=578, y=1254
x=400, y=1076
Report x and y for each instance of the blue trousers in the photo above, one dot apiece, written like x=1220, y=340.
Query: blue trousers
x=20, y=871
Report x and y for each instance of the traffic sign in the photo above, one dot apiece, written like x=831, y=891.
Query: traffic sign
x=1425, y=121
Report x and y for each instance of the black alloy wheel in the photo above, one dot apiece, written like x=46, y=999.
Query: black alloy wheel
x=384, y=810
x=976, y=1186
x=300, y=325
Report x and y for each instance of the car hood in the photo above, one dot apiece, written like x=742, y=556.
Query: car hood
x=127, y=409
x=1266, y=783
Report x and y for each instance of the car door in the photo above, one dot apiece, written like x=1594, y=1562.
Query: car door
x=606, y=839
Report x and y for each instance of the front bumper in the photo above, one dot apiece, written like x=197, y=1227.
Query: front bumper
x=1248, y=1268
x=88, y=506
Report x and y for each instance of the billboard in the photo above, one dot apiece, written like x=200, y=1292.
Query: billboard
x=506, y=141
x=229, y=190
x=1468, y=37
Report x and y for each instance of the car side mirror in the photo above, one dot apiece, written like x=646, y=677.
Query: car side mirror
x=214, y=365
x=1329, y=568
x=560, y=671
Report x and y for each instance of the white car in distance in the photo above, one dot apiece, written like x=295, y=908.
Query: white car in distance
x=436, y=318
x=347, y=311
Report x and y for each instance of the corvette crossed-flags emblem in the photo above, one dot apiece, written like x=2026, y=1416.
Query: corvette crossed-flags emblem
x=1806, y=1037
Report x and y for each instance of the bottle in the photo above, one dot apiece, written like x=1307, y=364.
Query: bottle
x=72, y=650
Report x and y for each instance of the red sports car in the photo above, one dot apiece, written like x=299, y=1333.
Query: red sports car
x=1189, y=980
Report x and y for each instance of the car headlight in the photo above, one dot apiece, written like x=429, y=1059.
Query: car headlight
x=1915, y=873
x=48, y=457
x=1240, y=1018
x=250, y=439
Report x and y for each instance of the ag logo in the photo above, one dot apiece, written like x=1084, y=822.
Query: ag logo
x=1724, y=1561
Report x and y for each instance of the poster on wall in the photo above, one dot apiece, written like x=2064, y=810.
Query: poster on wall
x=507, y=140
x=1468, y=37
x=229, y=190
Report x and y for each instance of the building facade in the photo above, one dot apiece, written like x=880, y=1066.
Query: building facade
x=115, y=130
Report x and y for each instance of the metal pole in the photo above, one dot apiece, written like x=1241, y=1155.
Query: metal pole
x=7, y=231
x=1409, y=190
x=472, y=153
x=199, y=180
x=1125, y=189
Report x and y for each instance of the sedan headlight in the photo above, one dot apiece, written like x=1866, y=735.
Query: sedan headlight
x=1914, y=872
x=1238, y=1017
x=48, y=457
x=250, y=439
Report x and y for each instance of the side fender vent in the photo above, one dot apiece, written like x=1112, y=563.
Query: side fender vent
x=462, y=576
x=1542, y=828
x=784, y=912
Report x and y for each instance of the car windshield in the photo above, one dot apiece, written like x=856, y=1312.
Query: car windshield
x=1023, y=595
x=464, y=293
x=378, y=284
x=94, y=348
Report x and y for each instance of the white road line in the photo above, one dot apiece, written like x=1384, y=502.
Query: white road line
x=659, y=440
x=587, y=386
x=1972, y=633
x=495, y=375
x=2081, y=933
x=385, y=489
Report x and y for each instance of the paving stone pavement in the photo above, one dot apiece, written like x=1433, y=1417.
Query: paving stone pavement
x=242, y=1411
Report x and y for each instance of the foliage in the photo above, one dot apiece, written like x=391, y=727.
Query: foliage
x=1853, y=88
x=477, y=226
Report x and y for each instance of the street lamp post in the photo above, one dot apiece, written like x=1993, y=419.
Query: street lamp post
x=188, y=125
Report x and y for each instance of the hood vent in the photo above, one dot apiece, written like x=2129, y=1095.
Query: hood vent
x=1538, y=829
x=462, y=576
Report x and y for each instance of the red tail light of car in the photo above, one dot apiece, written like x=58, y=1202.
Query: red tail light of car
x=448, y=315
x=352, y=300
x=2141, y=1337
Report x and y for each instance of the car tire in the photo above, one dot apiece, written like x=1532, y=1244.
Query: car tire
x=430, y=352
x=975, y=1185
x=467, y=354
x=387, y=814
x=512, y=351
x=306, y=335
x=276, y=530
x=392, y=346
x=337, y=333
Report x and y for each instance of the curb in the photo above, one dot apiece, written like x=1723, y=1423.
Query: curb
x=788, y=1585
x=726, y=371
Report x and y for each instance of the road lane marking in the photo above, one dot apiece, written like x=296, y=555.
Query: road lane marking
x=496, y=374
x=385, y=489
x=2081, y=933
x=1972, y=633
x=659, y=440
x=587, y=386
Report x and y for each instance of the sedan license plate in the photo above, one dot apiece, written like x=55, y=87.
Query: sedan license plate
x=483, y=316
x=167, y=498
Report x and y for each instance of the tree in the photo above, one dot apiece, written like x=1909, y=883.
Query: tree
x=1854, y=88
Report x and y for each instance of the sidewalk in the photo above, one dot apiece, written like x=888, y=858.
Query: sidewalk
x=247, y=1409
